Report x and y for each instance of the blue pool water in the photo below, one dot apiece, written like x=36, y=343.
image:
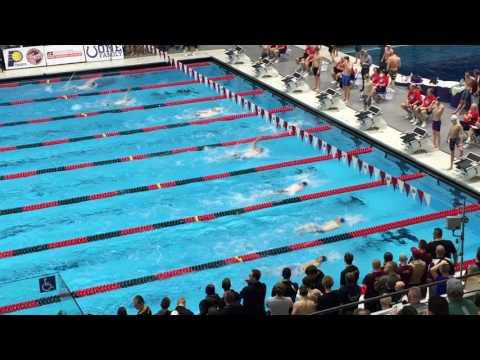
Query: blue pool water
x=143, y=254
x=447, y=62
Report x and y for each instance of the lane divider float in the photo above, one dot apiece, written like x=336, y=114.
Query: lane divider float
x=137, y=131
x=104, y=288
x=96, y=75
x=169, y=184
x=123, y=159
x=198, y=218
x=90, y=114
x=110, y=91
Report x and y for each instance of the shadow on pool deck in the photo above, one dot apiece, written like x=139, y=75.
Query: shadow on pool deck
x=391, y=109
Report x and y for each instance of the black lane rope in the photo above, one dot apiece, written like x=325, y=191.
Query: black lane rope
x=205, y=217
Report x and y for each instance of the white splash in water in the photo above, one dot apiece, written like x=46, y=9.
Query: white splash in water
x=228, y=155
x=49, y=89
x=333, y=256
x=76, y=107
x=352, y=220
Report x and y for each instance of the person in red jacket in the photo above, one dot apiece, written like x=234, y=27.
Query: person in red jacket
x=414, y=98
x=425, y=108
x=471, y=123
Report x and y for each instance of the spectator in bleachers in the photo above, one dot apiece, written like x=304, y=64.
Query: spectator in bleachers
x=472, y=283
x=164, y=307
x=386, y=283
x=140, y=306
x=369, y=283
x=440, y=258
x=404, y=269
x=414, y=296
x=181, y=308
x=457, y=305
x=313, y=278
x=291, y=288
x=349, y=292
x=227, y=286
x=386, y=303
x=330, y=298
x=279, y=304
x=450, y=249
x=387, y=258
x=419, y=268
x=122, y=311
x=349, y=267
x=253, y=295
x=304, y=305
x=437, y=305
x=440, y=272
x=212, y=301
x=408, y=310
x=232, y=306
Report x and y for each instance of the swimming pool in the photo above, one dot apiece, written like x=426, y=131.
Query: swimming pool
x=106, y=180
x=447, y=62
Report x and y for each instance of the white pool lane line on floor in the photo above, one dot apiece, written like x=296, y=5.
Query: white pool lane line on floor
x=389, y=137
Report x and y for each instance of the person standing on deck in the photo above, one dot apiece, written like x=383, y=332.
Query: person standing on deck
x=437, y=113
x=454, y=139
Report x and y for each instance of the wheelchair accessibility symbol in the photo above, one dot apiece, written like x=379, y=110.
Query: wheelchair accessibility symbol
x=47, y=284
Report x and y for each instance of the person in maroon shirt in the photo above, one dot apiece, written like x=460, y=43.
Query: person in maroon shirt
x=369, y=283
x=404, y=270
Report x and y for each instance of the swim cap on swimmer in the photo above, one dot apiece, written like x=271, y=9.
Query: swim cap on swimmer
x=454, y=118
x=342, y=220
x=304, y=183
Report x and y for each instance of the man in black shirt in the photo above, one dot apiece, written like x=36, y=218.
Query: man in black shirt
x=227, y=286
x=450, y=249
x=291, y=288
x=164, y=305
x=253, y=295
x=181, y=308
x=232, y=307
x=212, y=301
x=313, y=278
x=330, y=298
x=349, y=267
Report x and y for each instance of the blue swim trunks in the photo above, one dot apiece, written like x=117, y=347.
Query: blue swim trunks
x=346, y=80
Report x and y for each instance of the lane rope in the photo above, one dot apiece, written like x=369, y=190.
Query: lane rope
x=137, y=131
x=83, y=115
x=96, y=75
x=99, y=289
x=110, y=91
x=123, y=159
x=198, y=218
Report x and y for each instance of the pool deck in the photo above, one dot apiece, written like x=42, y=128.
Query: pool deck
x=437, y=161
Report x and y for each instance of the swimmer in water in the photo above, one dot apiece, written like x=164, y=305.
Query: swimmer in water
x=327, y=226
x=254, y=151
x=315, y=262
x=209, y=112
x=123, y=101
x=293, y=189
x=89, y=84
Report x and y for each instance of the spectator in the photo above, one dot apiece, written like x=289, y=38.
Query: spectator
x=455, y=139
x=232, y=306
x=365, y=63
x=437, y=305
x=423, y=111
x=181, y=308
x=440, y=259
x=369, y=283
x=291, y=288
x=465, y=98
x=386, y=283
x=419, y=268
x=472, y=282
x=424, y=254
x=350, y=292
x=212, y=301
x=227, y=286
x=313, y=278
x=265, y=51
x=349, y=267
x=473, y=120
x=380, y=82
x=404, y=269
x=457, y=305
x=139, y=305
x=122, y=311
x=330, y=298
x=361, y=312
x=387, y=257
x=304, y=305
x=414, y=296
x=408, y=310
x=306, y=60
x=399, y=285
x=441, y=274
x=276, y=50
x=164, y=307
x=450, y=250
x=414, y=99
x=253, y=295
x=280, y=304
x=386, y=302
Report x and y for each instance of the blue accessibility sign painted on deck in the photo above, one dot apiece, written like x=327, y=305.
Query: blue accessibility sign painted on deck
x=47, y=284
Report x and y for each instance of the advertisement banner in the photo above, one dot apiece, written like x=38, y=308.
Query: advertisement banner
x=103, y=52
x=64, y=54
x=24, y=57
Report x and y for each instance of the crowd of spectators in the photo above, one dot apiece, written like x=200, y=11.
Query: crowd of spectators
x=399, y=284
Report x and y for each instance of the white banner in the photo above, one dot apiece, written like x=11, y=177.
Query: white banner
x=24, y=57
x=103, y=52
x=64, y=54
